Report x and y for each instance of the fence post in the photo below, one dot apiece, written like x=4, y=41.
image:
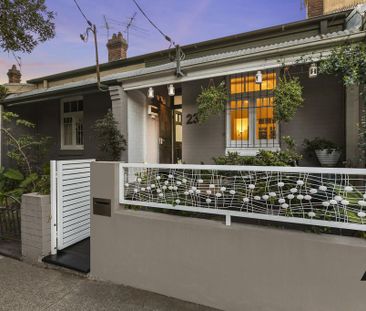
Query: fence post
x=53, y=207
x=228, y=220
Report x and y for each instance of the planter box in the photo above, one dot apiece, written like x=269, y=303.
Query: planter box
x=327, y=158
x=35, y=226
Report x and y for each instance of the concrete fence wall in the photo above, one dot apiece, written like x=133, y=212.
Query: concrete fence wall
x=35, y=226
x=241, y=267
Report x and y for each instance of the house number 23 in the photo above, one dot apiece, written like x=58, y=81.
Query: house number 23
x=192, y=118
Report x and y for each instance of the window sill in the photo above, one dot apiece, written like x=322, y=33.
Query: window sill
x=251, y=151
x=72, y=148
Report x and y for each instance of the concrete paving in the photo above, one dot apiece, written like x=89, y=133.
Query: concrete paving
x=27, y=287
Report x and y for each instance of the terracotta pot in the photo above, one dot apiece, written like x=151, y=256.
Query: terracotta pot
x=328, y=157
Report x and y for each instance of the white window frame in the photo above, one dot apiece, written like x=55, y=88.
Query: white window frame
x=74, y=114
x=254, y=145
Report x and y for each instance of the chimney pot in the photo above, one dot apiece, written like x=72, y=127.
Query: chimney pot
x=117, y=47
x=14, y=75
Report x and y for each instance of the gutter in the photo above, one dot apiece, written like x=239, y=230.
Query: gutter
x=273, y=51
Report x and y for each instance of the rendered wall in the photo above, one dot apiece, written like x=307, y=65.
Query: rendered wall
x=241, y=267
x=323, y=115
x=201, y=142
x=331, y=6
x=46, y=116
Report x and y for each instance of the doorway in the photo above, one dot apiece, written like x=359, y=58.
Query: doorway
x=170, y=128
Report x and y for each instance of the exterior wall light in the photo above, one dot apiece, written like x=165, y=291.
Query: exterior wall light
x=150, y=92
x=259, y=77
x=313, y=71
x=171, y=90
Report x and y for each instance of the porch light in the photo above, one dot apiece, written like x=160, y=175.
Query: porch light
x=313, y=71
x=171, y=90
x=258, y=77
x=150, y=92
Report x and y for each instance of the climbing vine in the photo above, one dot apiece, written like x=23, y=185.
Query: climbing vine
x=349, y=62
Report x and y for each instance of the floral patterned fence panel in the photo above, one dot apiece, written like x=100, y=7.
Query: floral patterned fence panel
x=315, y=196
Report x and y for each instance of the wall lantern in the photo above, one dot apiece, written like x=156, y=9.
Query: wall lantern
x=150, y=92
x=171, y=90
x=313, y=71
x=258, y=77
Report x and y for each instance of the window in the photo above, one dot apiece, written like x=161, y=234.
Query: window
x=250, y=112
x=72, y=135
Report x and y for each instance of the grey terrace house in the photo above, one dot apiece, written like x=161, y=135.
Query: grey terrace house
x=154, y=98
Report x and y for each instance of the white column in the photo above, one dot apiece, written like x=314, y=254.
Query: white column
x=119, y=109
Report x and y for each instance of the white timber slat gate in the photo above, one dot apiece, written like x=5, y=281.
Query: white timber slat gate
x=70, y=202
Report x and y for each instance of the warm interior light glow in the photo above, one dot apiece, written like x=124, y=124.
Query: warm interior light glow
x=265, y=124
x=241, y=127
x=239, y=120
x=247, y=83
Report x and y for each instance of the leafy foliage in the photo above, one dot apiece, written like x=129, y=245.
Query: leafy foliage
x=112, y=142
x=286, y=157
x=287, y=98
x=43, y=182
x=26, y=150
x=211, y=101
x=13, y=184
x=319, y=144
x=3, y=92
x=348, y=61
x=24, y=24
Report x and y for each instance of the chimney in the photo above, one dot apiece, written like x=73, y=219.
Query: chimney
x=315, y=8
x=117, y=47
x=14, y=75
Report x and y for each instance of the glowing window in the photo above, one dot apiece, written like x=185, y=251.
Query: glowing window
x=250, y=112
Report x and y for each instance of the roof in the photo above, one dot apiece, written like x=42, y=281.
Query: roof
x=209, y=46
x=114, y=78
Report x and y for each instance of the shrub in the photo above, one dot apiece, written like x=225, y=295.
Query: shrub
x=286, y=157
x=112, y=142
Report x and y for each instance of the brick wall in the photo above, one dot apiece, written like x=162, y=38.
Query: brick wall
x=315, y=8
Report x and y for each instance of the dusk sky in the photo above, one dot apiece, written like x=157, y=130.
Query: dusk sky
x=186, y=21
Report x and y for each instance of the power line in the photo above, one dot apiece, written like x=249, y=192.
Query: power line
x=82, y=13
x=153, y=24
x=129, y=26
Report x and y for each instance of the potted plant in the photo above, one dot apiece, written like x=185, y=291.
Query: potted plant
x=327, y=152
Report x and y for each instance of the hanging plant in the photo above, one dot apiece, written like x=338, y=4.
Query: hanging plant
x=211, y=101
x=287, y=98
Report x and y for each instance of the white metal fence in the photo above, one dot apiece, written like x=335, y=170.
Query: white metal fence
x=70, y=202
x=330, y=197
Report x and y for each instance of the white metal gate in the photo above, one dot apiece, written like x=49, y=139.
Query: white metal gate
x=70, y=201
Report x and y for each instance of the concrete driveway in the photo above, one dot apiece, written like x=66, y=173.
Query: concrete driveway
x=27, y=287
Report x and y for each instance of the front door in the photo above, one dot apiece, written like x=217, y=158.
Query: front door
x=165, y=131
